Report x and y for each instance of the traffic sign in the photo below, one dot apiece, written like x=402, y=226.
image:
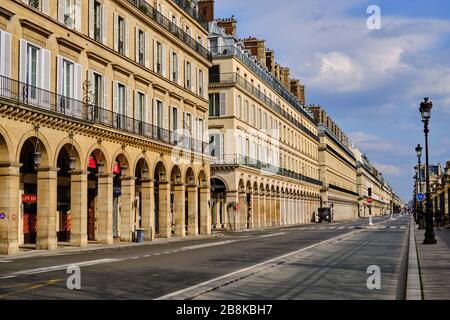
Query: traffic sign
x=238, y=206
x=369, y=200
x=420, y=196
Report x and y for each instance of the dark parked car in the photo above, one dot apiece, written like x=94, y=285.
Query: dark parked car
x=325, y=214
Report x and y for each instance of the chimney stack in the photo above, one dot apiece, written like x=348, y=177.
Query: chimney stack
x=270, y=61
x=257, y=48
x=206, y=9
x=229, y=25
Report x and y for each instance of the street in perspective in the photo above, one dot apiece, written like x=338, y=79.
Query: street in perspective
x=243, y=152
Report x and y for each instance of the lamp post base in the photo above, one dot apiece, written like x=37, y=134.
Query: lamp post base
x=429, y=241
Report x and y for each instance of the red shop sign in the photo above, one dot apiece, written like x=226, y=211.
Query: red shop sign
x=29, y=198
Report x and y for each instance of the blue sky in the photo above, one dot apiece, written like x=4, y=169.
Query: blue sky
x=370, y=81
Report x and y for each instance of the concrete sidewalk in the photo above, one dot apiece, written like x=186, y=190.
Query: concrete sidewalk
x=434, y=265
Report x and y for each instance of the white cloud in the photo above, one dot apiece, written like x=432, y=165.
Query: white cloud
x=370, y=142
x=388, y=169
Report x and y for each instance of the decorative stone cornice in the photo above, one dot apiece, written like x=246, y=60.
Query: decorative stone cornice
x=142, y=79
x=160, y=88
x=27, y=24
x=6, y=13
x=176, y=96
x=98, y=58
x=69, y=44
x=119, y=68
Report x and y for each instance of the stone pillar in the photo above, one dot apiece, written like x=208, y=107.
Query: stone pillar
x=283, y=211
x=179, y=210
x=262, y=210
x=46, y=208
x=192, y=210
x=269, y=209
x=104, y=212
x=277, y=210
x=9, y=205
x=148, y=211
x=256, y=212
x=289, y=211
x=242, y=213
x=297, y=210
x=272, y=210
x=78, y=208
x=127, y=215
x=231, y=214
x=205, y=213
x=165, y=223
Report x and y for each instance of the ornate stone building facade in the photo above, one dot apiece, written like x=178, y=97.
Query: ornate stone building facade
x=103, y=119
x=265, y=170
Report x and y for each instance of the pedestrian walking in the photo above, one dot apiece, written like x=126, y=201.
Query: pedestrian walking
x=438, y=222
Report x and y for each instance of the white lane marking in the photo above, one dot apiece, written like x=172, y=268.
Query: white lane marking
x=146, y=256
x=393, y=227
x=341, y=227
x=322, y=228
x=351, y=227
x=157, y=254
x=63, y=266
x=331, y=227
x=402, y=227
x=208, y=282
x=383, y=227
x=206, y=245
x=272, y=235
x=8, y=277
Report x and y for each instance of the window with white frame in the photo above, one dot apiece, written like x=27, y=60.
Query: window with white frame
x=201, y=89
x=216, y=145
x=159, y=54
x=140, y=110
x=69, y=86
x=34, y=71
x=174, y=67
x=41, y=5
x=188, y=75
x=141, y=47
x=69, y=13
x=121, y=35
x=97, y=89
x=97, y=21
x=5, y=57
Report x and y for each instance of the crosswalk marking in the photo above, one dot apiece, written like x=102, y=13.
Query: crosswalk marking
x=393, y=227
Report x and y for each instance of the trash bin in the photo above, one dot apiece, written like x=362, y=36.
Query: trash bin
x=139, y=235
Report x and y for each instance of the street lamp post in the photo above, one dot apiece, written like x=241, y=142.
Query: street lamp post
x=425, y=110
x=419, y=187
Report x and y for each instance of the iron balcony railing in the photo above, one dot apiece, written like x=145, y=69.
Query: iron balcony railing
x=31, y=96
x=234, y=78
x=236, y=159
x=165, y=23
x=263, y=74
x=192, y=11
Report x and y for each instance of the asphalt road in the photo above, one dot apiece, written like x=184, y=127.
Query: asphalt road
x=154, y=271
